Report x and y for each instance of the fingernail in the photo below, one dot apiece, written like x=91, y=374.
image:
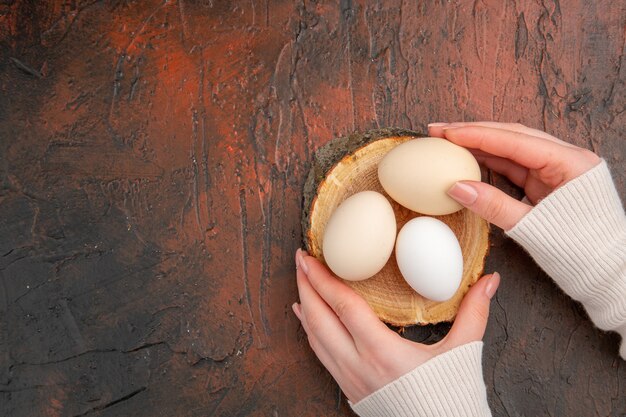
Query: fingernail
x=296, y=310
x=437, y=124
x=450, y=127
x=301, y=263
x=463, y=193
x=492, y=285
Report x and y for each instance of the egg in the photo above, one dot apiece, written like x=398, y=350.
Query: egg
x=359, y=236
x=429, y=257
x=417, y=174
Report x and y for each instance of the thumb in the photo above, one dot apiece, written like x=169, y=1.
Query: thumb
x=489, y=203
x=471, y=320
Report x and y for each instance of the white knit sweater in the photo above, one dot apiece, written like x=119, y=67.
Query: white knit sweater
x=577, y=235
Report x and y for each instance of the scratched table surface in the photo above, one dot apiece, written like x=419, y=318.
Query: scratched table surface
x=152, y=155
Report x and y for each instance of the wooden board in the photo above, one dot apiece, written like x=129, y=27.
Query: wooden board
x=152, y=157
x=336, y=174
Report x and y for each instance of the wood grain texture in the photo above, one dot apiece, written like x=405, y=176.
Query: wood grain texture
x=355, y=170
x=152, y=156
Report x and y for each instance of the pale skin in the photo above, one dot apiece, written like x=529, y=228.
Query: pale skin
x=361, y=352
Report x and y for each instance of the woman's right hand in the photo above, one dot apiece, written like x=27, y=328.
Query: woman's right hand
x=533, y=160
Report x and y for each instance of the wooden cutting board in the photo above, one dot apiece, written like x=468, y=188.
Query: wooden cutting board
x=348, y=165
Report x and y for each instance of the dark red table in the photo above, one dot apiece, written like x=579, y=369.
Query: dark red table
x=152, y=155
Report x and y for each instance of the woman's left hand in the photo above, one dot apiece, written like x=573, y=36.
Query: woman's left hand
x=361, y=352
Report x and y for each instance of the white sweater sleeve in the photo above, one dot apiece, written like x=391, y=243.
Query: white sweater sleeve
x=577, y=235
x=450, y=385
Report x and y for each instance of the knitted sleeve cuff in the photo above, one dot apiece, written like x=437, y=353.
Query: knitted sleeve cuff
x=450, y=385
x=577, y=234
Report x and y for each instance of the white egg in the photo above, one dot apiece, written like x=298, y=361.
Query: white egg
x=429, y=257
x=359, y=237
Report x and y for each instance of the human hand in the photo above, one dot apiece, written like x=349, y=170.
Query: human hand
x=533, y=160
x=361, y=352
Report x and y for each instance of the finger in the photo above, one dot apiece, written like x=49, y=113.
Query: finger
x=513, y=127
x=528, y=151
x=322, y=323
x=489, y=203
x=471, y=320
x=361, y=322
x=342, y=372
x=514, y=172
x=320, y=351
x=435, y=130
x=324, y=356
